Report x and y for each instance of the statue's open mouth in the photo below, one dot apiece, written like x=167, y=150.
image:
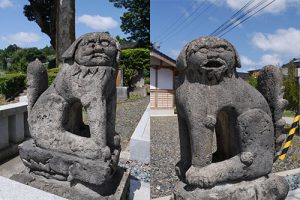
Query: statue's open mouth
x=214, y=64
x=101, y=56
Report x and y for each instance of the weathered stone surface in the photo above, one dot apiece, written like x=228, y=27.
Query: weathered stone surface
x=63, y=147
x=115, y=189
x=264, y=188
x=37, y=82
x=211, y=97
x=67, y=167
x=270, y=85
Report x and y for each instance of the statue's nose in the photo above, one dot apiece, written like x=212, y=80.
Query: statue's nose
x=212, y=54
x=98, y=47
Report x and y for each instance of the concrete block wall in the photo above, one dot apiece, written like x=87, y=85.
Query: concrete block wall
x=13, y=127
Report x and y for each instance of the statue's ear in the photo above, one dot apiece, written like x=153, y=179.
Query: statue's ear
x=181, y=59
x=70, y=52
x=237, y=58
x=118, y=47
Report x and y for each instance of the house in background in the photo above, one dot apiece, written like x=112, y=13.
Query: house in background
x=162, y=80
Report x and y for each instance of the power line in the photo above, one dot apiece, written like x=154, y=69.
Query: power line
x=179, y=29
x=233, y=16
x=167, y=29
x=236, y=20
x=249, y=17
x=174, y=28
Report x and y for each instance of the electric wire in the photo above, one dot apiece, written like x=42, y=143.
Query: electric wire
x=233, y=16
x=248, y=17
x=239, y=18
x=175, y=28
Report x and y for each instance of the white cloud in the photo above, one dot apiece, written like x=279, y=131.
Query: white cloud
x=285, y=42
x=98, y=22
x=5, y=3
x=246, y=61
x=236, y=4
x=174, y=52
x=270, y=59
x=185, y=13
x=21, y=38
x=275, y=8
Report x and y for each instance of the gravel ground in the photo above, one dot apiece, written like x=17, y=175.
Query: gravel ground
x=138, y=170
x=128, y=115
x=165, y=153
x=292, y=159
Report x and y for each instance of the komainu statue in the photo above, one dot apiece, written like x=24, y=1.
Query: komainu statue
x=63, y=147
x=212, y=99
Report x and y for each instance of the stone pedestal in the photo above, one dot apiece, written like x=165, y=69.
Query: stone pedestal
x=270, y=187
x=115, y=189
x=70, y=176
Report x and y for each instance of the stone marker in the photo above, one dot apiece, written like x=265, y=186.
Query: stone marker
x=66, y=156
x=212, y=98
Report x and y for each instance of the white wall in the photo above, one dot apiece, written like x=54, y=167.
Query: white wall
x=152, y=78
x=165, y=79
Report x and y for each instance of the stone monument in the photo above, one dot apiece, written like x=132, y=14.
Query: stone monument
x=66, y=156
x=212, y=99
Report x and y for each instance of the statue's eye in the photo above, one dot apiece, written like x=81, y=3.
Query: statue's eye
x=203, y=50
x=84, y=43
x=220, y=49
x=104, y=43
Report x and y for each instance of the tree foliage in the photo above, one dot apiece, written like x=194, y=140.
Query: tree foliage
x=136, y=21
x=291, y=91
x=133, y=60
x=20, y=57
x=44, y=14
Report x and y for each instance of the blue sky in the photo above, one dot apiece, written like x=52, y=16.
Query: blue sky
x=91, y=15
x=269, y=37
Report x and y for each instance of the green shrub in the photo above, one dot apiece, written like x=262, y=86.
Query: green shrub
x=52, y=73
x=252, y=80
x=133, y=60
x=12, y=83
x=291, y=88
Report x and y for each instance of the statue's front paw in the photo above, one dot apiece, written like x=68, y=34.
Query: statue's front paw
x=210, y=121
x=106, y=153
x=195, y=176
x=117, y=140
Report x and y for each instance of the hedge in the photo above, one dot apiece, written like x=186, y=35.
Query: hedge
x=52, y=73
x=10, y=84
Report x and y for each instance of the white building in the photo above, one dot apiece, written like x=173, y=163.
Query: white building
x=162, y=80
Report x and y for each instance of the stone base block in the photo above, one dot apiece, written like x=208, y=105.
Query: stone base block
x=271, y=187
x=116, y=189
x=63, y=166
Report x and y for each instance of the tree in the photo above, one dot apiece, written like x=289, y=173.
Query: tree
x=44, y=14
x=56, y=18
x=136, y=21
x=291, y=87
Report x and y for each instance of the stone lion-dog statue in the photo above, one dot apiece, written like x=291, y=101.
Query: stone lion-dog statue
x=210, y=97
x=66, y=145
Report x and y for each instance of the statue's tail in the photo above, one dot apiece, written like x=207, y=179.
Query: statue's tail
x=37, y=82
x=270, y=85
